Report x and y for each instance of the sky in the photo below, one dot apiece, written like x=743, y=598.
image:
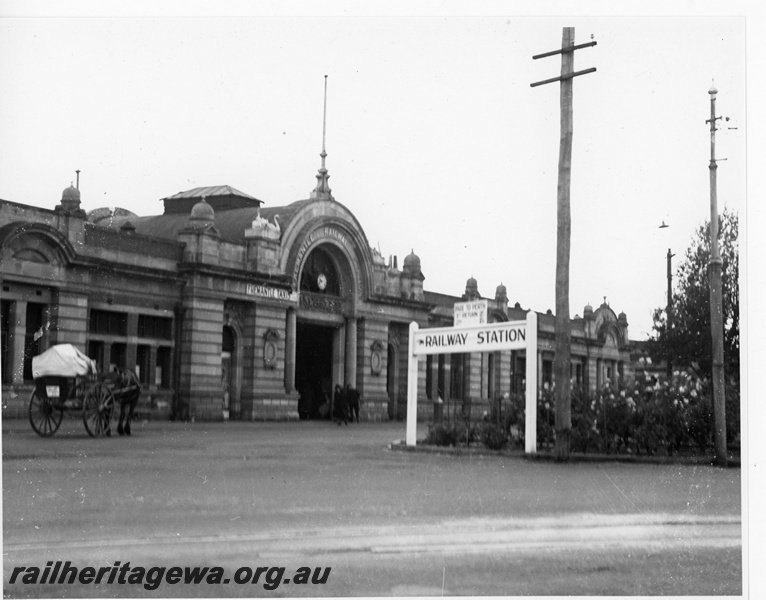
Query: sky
x=435, y=139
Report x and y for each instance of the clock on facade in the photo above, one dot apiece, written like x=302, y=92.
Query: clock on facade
x=322, y=281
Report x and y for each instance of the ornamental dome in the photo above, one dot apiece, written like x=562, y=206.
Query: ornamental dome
x=202, y=213
x=411, y=263
x=471, y=289
x=501, y=293
x=70, y=195
x=70, y=202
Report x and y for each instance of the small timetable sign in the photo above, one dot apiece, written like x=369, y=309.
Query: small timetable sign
x=470, y=313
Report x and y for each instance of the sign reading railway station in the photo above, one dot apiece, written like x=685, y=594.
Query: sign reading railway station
x=484, y=337
x=491, y=337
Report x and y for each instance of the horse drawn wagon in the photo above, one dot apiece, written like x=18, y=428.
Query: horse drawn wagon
x=66, y=379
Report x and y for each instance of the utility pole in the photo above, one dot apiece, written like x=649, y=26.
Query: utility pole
x=562, y=361
x=716, y=300
x=670, y=317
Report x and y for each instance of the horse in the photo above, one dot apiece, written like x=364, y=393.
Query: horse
x=126, y=390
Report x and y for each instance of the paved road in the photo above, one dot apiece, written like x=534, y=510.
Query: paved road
x=387, y=523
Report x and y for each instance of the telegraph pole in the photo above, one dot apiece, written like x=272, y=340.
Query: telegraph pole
x=561, y=361
x=670, y=316
x=716, y=300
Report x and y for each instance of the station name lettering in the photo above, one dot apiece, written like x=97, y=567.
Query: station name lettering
x=445, y=339
x=267, y=292
x=474, y=340
x=325, y=232
x=501, y=336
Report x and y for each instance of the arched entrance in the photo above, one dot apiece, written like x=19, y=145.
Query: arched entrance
x=313, y=369
x=326, y=288
x=228, y=372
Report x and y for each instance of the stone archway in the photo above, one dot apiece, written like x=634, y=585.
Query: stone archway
x=325, y=332
x=231, y=363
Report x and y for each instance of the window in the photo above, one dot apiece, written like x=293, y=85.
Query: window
x=319, y=274
x=143, y=356
x=547, y=371
x=441, y=376
x=491, y=376
x=108, y=322
x=429, y=376
x=35, y=314
x=96, y=352
x=5, y=325
x=154, y=327
x=579, y=374
x=456, y=372
x=519, y=372
x=117, y=355
x=162, y=367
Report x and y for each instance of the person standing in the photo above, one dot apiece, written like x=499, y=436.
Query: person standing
x=353, y=401
x=340, y=406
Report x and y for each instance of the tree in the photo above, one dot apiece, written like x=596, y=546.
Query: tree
x=689, y=343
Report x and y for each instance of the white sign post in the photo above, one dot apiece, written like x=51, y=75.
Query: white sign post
x=508, y=335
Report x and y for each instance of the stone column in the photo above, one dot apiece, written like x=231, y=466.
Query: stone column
x=132, y=341
x=290, y=333
x=350, y=375
x=18, y=335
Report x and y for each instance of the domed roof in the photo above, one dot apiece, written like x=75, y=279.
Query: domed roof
x=411, y=262
x=70, y=194
x=471, y=289
x=202, y=212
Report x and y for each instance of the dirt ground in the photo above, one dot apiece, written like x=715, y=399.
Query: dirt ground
x=312, y=494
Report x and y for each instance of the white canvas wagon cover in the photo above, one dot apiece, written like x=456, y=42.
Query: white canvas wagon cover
x=62, y=360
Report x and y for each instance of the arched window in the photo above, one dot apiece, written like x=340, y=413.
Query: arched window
x=319, y=274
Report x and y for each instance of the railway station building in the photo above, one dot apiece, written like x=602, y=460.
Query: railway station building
x=227, y=308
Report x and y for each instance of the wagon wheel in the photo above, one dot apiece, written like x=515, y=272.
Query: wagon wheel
x=43, y=416
x=98, y=407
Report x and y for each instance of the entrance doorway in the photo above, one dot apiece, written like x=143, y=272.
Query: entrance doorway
x=228, y=381
x=313, y=369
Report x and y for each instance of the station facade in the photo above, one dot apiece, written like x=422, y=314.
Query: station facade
x=226, y=308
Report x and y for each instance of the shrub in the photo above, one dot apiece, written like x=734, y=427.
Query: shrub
x=645, y=417
x=450, y=434
x=493, y=436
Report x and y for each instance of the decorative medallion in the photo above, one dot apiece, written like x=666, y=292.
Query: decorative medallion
x=376, y=358
x=270, y=348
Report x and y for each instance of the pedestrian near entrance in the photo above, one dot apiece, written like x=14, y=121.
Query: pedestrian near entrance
x=340, y=406
x=353, y=400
